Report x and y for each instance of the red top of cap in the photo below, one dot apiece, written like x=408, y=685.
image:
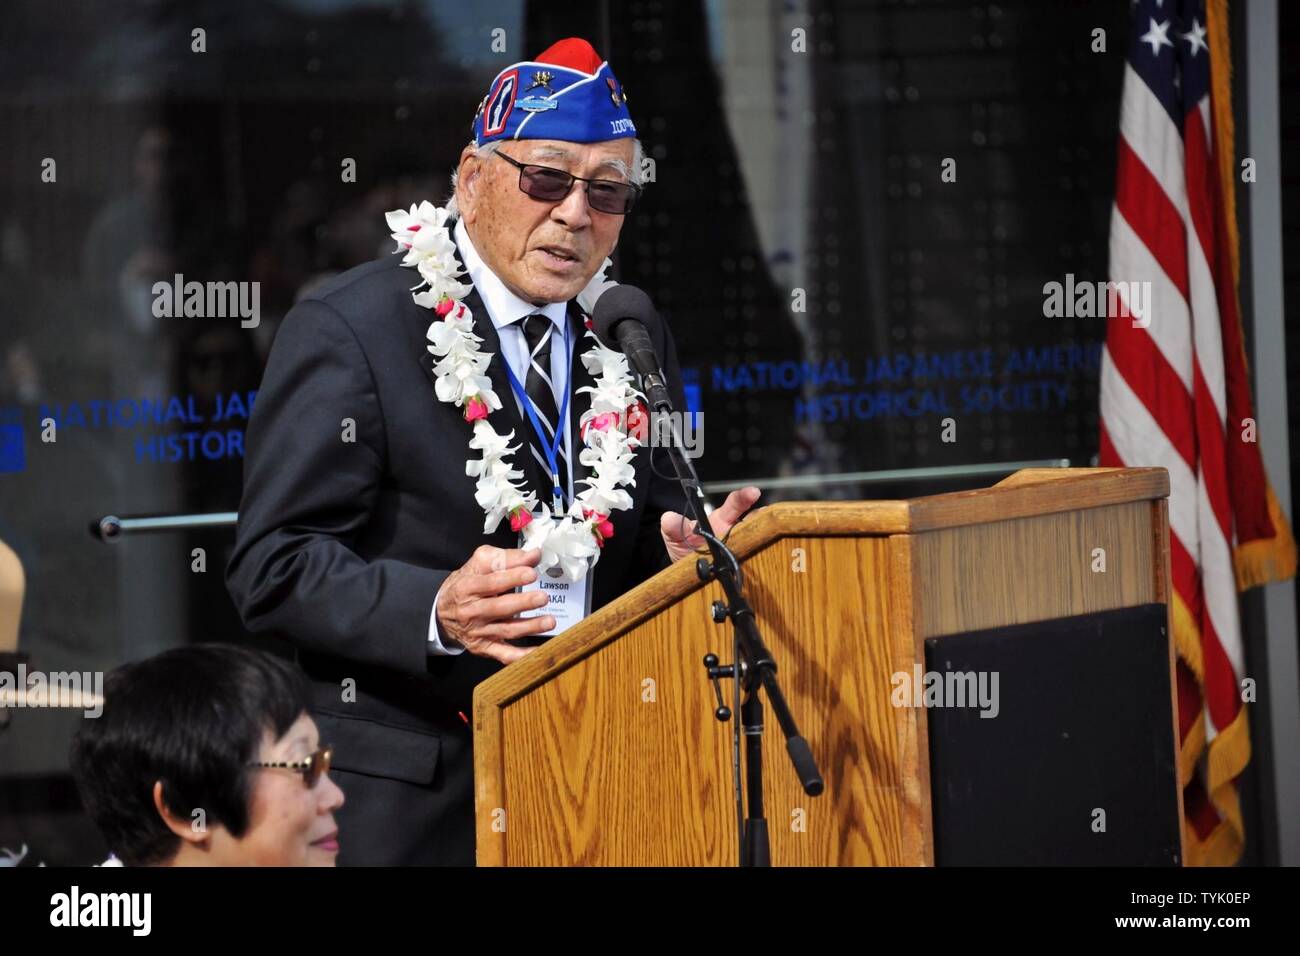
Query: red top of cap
x=574, y=53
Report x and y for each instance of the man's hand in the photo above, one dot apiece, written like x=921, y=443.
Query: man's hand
x=477, y=610
x=678, y=533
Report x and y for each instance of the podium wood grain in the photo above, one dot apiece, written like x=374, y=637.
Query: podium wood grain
x=601, y=747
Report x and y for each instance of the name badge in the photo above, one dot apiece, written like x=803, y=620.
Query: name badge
x=568, y=602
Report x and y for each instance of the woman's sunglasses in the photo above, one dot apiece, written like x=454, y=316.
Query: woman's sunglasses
x=311, y=769
x=552, y=185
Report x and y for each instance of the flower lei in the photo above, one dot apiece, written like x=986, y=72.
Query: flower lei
x=611, y=429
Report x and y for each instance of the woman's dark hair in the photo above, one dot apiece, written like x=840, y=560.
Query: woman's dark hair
x=193, y=718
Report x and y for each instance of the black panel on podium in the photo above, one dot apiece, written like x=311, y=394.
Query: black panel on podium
x=1075, y=762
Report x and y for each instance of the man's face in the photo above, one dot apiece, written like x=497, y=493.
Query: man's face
x=543, y=251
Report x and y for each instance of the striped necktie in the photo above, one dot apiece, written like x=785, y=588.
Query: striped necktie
x=539, y=333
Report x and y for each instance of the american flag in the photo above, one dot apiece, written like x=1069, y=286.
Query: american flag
x=1175, y=388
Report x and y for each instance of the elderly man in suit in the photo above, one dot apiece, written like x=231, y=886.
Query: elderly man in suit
x=361, y=535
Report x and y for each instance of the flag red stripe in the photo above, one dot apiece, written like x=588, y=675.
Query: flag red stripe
x=1143, y=202
x=1210, y=440
x=1154, y=381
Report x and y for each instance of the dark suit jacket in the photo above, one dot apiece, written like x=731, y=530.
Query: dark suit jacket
x=341, y=546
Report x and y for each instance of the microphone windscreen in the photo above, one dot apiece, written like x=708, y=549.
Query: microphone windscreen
x=616, y=304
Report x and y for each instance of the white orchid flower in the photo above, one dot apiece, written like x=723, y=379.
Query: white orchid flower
x=606, y=363
x=409, y=225
x=497, y=495
x=594, y=289
x=608, y=398
x=489, y=441
x=566, y=544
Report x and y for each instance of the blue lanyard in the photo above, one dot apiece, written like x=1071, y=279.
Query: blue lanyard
x=550, y=449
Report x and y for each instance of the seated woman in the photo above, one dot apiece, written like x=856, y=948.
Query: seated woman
x=206, y=756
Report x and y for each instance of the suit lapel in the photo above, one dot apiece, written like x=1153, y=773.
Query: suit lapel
x=485, y=330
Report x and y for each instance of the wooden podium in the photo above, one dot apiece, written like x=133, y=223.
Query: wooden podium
x=602, y=748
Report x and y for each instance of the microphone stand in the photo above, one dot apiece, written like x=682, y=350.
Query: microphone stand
x=754, y=668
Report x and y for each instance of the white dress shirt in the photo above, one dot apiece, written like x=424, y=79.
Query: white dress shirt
x=507, y=310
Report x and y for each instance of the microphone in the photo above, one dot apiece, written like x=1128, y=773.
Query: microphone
x=623, y=319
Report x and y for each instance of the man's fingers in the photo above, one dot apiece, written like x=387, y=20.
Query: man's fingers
x=488, y=610
x=676, y=526
x=679, y=534
x=515, y=558
x=499, y=582
x=487, y=559
x=505, y=653
x=524, y=627
x=737, y=503
x=490, y=640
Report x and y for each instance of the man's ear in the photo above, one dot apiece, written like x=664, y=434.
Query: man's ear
x=468, y=180
x=192, y=831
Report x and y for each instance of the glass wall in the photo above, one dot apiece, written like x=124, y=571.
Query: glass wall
x=855, y=207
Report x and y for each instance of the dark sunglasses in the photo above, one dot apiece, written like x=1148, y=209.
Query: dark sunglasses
x=311, y=769
x=552, y=185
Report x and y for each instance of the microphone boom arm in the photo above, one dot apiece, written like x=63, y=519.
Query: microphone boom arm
x=758, y=668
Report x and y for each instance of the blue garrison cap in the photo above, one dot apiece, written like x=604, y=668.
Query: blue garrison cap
x=567, y=93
